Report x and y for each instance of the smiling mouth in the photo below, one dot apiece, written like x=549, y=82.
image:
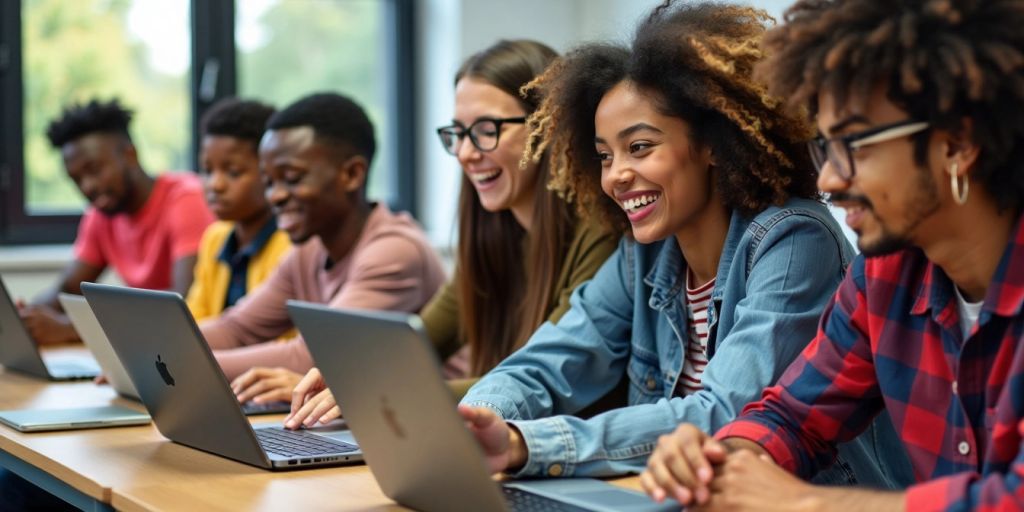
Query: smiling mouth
x=638, y=203
x=485, y=177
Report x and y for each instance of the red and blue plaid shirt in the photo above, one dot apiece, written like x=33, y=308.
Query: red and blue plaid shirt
x=891, y=339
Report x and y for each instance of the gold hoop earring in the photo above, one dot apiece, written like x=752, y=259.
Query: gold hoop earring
x=954, y=183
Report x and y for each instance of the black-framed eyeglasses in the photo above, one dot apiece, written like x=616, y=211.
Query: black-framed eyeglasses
x=839, y=150
x=483, y=133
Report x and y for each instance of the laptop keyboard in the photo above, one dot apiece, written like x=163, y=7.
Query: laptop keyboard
x=525, y=501
x=299, y=443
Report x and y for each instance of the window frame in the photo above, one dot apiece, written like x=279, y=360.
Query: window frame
x=213, y=41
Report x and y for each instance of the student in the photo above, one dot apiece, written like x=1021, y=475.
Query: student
x=147, y=228
x=731, y=253
x=243, y=248
x=920, y=109
x=353, y=253
x=522, y=249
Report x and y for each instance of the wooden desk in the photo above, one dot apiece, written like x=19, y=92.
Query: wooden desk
x=135, y=468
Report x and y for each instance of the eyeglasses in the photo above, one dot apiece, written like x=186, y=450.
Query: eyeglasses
x=839, y=150
x=483, y=133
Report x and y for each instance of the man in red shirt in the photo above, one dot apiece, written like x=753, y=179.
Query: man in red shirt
x=148, y=229
x=920, y=110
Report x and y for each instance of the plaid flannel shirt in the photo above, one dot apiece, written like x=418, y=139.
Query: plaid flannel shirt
x=891, y=339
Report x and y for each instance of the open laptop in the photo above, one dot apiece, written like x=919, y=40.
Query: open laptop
x=182, y=386
x=20, y=353
x=387, y=380
x=89, y=329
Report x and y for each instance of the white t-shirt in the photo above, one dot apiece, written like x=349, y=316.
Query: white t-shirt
x=968, y=312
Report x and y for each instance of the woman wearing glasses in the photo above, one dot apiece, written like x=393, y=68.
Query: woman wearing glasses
x=729, y=260
x=521, y=249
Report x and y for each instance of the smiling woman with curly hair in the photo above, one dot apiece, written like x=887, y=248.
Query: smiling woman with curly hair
x=730, y=261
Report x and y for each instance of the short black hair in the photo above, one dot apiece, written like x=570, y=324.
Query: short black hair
x=333, y=117
x=95, y=116
x=241, y=119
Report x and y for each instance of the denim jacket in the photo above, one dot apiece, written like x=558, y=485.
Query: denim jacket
x=776, y=274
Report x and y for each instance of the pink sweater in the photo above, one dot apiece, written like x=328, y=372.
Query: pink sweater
x=391, y=267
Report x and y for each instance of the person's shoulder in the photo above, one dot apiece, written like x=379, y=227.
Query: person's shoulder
x=383, y=224
x=217, y=232
x=180, y=184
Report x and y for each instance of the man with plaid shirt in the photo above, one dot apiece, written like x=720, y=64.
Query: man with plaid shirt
x=920, y=109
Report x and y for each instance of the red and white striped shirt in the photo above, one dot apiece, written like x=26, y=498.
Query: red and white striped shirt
x=695, y=358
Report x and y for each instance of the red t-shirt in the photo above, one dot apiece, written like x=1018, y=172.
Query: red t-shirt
x=143, y=246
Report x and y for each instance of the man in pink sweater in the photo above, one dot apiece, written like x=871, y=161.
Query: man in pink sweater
x=349, y=253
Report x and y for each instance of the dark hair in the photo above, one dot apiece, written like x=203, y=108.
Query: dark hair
x=696, y=60
x=941, y=60
x=498, y=307
x=241, y=119
x=80, y=119
x=334, y=118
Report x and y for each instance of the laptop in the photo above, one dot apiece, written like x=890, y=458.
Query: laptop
x=78, y=310
x=44, y=420
x=386, y=377
x=20, y=353
x=182, y=386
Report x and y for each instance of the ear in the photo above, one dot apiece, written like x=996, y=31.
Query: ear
x=130, y=155
x=962, y=149
x=352, y=173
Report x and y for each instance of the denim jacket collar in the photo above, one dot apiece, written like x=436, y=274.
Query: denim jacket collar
x=668, y=277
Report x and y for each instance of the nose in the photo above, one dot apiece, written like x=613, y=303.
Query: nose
x=88, y=185
x=277, y=193
x=829, y=180
x=465, y=151
x=216, y=182
x=617, y=176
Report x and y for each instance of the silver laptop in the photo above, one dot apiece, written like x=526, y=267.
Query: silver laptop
x=387, y=380
x=43, y=420
x=182, y=386
x=89, y=329
x=20, y=353
x=78, y=310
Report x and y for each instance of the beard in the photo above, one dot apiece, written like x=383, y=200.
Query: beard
x=920, y=206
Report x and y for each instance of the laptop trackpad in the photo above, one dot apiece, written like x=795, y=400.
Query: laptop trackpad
x=593, y=494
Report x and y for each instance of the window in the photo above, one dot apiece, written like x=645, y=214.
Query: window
x=169, y=61
x=341, y=50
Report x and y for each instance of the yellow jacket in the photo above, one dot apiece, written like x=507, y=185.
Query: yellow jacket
x=210, y=281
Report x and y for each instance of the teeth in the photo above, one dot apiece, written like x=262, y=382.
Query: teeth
x=639, y=202
x=481, y=177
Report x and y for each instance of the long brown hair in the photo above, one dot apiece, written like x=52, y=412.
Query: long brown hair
x=499, y=307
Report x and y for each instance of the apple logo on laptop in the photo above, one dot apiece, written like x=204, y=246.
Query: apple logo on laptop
x=391, y=418
x=161, y=367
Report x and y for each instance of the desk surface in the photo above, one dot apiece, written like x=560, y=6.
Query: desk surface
x=136, y=468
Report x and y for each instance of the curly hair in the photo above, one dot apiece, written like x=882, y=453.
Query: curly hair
x=241, y=119
x=697, y=60
x=95, y=116
x=942, y=61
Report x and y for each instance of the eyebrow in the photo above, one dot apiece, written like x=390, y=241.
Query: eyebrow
x=626, y=132
x=854, y=119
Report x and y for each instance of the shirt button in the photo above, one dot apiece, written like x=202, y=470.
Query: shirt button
x=651, y=383
x=954, y=387
x=963, y=448
x=555, y=470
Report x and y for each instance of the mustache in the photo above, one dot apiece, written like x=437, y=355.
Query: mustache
x=846, y=197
